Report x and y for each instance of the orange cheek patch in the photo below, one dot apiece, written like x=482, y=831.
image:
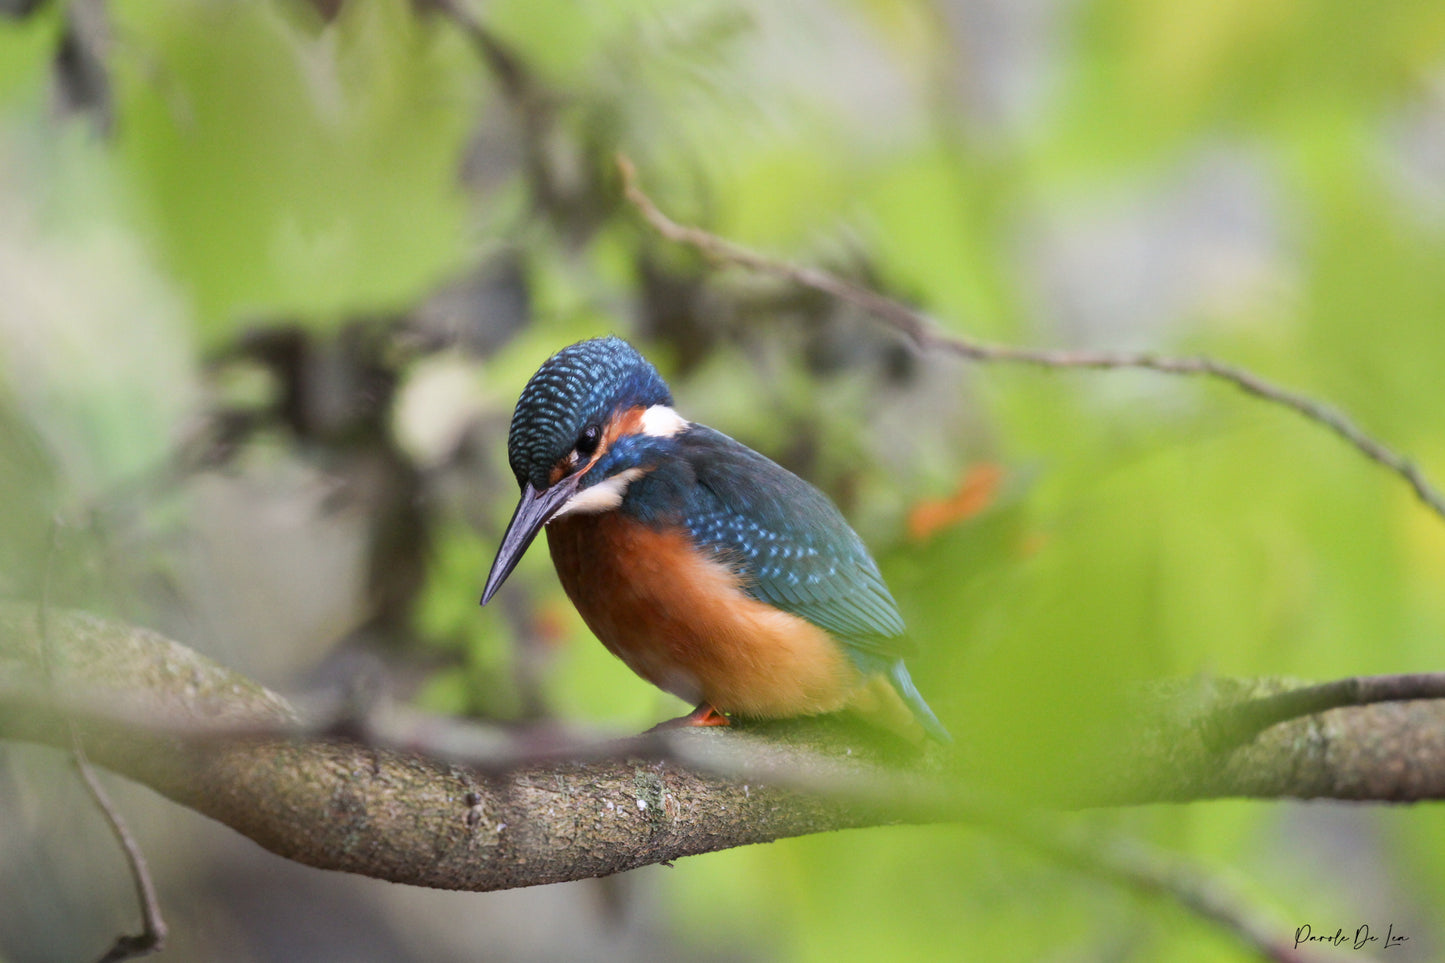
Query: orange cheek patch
x=628, y=423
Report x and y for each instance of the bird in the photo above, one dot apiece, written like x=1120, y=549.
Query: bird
x=710, y=570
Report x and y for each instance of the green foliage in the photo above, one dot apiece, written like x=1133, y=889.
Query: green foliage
x=271, y=169
x=25, y=49
x=289, y=171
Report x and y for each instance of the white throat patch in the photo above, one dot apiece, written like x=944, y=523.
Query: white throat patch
x=601, y=497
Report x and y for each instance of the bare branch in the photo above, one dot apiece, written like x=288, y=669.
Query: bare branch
x=519, y=813
x=384, y=812
x=399, y=814
x=925, y=335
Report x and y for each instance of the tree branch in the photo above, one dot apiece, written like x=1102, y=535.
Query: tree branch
x=379, y=811
x=1243, y=721
x=401, y=815
x=925, y=335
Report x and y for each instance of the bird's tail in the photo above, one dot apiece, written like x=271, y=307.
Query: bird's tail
x=902, y=683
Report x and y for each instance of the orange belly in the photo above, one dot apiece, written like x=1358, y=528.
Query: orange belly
x=683, y=623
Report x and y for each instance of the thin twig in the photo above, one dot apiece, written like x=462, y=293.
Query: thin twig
x=1132, y=865
x=152, y=937
x=925, y=335
x=510, y=72
x=1239, y=723
x=532, y=102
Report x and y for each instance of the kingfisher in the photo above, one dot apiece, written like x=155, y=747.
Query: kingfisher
x=713, y=572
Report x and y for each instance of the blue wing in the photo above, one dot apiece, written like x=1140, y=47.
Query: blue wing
x=792, y=546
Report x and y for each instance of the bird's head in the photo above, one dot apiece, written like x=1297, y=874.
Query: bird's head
x=581, y=433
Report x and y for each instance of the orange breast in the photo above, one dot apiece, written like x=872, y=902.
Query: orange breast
x=682, y=622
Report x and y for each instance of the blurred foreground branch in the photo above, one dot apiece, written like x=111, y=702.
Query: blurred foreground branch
x=218, y=743
x=925, y=335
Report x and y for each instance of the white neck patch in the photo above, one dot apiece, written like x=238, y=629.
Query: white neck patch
x=601, y=497
x=660, y=421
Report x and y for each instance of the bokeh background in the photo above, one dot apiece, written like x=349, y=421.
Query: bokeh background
x=272, y=275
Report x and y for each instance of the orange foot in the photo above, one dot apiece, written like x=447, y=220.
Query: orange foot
x=703, y=715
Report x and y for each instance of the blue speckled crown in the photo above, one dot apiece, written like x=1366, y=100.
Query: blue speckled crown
x=581, y=384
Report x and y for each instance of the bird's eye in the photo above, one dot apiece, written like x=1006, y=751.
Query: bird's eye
x=588, y=441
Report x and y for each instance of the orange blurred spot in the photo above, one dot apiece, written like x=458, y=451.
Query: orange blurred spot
x=1032, y=544
x=975, y=493
x=551, y=625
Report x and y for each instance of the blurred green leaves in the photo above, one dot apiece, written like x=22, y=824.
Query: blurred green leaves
x=271, y=168
x=1147, y=77
x=290, y=170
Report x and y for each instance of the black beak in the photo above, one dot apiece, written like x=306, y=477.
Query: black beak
x=532, y=513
